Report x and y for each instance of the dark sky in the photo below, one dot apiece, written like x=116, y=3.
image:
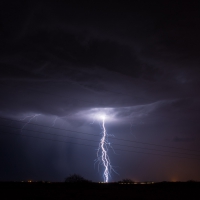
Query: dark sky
x=62, y=64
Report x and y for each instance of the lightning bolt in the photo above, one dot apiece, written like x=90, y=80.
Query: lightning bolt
x=54, y=122
x=31, y=118
x=103, y=148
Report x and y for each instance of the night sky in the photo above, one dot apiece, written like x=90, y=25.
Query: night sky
x=62, y=64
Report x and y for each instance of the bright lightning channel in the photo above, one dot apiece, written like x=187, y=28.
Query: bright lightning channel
x=104, y=158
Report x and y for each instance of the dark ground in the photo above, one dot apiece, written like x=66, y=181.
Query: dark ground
x=96, y=191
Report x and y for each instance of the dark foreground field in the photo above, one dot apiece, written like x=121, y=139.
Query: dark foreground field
x=96, y=191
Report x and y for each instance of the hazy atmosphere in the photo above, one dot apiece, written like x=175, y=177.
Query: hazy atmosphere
x=62, y=65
